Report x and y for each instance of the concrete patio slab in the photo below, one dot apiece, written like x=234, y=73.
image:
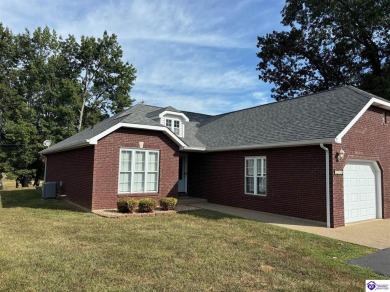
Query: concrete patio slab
x=373, y=233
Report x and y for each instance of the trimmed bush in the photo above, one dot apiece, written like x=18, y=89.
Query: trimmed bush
x=146, y=205
x=123, y=206
x=168, y=204
x=127, y=205
x=132, y=204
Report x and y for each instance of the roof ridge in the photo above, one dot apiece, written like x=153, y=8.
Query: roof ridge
x=148, y=105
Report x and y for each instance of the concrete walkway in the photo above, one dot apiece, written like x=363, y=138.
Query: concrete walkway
x=372, y=233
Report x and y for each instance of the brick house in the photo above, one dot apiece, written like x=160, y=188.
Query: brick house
x=324, y=157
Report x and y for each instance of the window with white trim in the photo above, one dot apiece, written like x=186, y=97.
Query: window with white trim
x=138, y=171
x=256, y=175
x=173, y=125
x=176, y=127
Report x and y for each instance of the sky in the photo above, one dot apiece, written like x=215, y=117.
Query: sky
x=196, y=56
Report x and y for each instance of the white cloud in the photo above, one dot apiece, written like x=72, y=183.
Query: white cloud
x=193, y=55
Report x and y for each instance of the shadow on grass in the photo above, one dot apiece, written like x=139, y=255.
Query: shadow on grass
x=33, y=199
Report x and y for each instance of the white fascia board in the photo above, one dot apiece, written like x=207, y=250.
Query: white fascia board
x=169, y=133
x=80, y=144
x=381, y=103
x=173, y=113
x=193, y=149
x=265, y=146
x=373, y=101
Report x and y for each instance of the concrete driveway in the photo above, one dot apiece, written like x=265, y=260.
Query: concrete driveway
x=372, y=233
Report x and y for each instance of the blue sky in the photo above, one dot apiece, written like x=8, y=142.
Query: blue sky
x=193, y=55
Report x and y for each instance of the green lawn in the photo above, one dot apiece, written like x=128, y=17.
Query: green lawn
x=48, y=246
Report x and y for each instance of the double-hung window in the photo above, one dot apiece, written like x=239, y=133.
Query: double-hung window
x=173, y=125
x=138, y=171
x=256, y=175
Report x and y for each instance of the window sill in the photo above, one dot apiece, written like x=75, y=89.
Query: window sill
x=256, y=195
x=156, y=194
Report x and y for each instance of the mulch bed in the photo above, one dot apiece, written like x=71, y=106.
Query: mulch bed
x=113, y=213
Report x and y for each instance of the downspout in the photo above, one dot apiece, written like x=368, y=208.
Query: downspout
x=327, y=185
x=44, y=176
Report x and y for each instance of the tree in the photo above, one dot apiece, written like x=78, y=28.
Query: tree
x=328, y=44
x=15, y=122
x=50, y=88
x=38, y=106
x=104, y=78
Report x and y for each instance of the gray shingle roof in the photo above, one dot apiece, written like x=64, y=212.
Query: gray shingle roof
x=318, y=116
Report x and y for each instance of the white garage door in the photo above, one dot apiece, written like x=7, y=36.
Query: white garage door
x=359, y=191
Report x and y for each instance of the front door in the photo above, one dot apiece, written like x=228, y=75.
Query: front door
x=183, y=161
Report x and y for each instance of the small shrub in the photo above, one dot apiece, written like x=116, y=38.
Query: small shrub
x=146, y=205
x=132, y=204
x=123, y=206
x=127, y=205
x=168, y=204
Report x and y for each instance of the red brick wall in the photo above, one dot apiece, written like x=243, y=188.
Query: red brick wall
x=106, y=167
x=368, y=139
x=74, y=169
x=295, y=180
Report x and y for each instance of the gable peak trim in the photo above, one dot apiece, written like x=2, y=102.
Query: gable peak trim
x=372, y=102
x=174, y=114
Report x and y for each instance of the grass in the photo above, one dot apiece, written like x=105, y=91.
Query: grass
x=11, y=185
x=48, y=246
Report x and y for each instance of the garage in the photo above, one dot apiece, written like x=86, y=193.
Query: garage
x=362, y=191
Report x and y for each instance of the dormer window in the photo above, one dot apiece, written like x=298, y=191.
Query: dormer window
x=174, y=121
x=174, y=125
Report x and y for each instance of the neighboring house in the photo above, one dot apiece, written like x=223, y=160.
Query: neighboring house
x=324, y=157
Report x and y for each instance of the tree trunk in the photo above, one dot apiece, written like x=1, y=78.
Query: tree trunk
x=25, y=181
x=81, y=116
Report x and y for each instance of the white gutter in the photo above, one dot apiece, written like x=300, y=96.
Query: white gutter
x=327, y=185
x=272, y=145
x=193, y=149
x=79, y=144
x=261, y=146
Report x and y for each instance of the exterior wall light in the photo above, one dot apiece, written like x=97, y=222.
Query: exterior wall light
x=340, y=155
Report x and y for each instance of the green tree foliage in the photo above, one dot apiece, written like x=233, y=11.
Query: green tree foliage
x=327, y=44
x=51, y=87
x=104, y=78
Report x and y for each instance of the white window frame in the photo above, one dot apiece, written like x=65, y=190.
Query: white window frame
x=256, y=175
x=172, y=126
x=146, y=171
